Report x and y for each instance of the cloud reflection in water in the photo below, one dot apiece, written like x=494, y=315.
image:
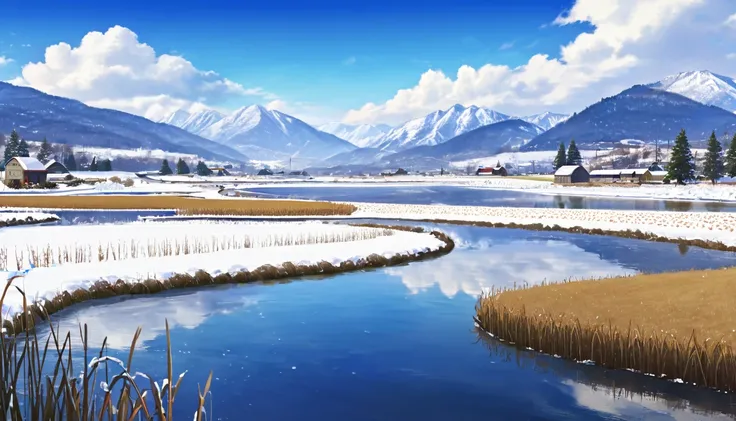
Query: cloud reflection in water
x=477, y=266
x=118, y=319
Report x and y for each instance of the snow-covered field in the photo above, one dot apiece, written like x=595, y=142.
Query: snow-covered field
x=712, y=226
x=44, y=283
x=55, y=245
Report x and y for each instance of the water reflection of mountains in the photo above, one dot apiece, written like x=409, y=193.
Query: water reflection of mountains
x=617, y=391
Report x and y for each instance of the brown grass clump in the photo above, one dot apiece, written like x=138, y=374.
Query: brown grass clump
x=27, y=221
x=184, y=205
x=676, y=325
x=38, y=379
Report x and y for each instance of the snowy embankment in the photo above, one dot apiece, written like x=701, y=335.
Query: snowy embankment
x=9, y=219
x=71, y=258
x=703, y=191
x=706, y=226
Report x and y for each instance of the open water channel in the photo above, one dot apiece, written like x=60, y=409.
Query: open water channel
x=397, y=343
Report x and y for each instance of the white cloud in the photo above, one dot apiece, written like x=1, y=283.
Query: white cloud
x=731, y=21
x=506, y=46
x=634, y=41
x=5, y=60
x=115, y=70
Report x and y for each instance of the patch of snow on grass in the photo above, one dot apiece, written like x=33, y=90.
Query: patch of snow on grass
x=44, y=283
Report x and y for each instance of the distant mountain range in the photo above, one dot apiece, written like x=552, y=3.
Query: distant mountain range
x=481, y=142
x=362, y=136
x=439, y=127
x=640, y=113
x=35, y=115
x=262, y=134
x=546, y=120
x=702, y=86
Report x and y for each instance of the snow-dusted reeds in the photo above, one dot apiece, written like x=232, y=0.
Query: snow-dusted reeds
x=649, y=324
x=131, y=248
x=39, y=380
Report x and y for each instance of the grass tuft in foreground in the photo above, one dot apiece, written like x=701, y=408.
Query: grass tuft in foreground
x=672, y=325
x=38, y=380
x=184, y=205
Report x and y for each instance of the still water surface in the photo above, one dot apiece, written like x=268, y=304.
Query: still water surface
x=398, y=343
x=467, y=196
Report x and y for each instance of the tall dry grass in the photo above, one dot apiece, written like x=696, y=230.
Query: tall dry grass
x=39, y=380
x=48, y=255
x=676, y=325
x=184, y=205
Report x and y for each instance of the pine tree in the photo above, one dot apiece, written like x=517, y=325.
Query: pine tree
x=573, y=154
x=93, y=166
x=203, y=169
x=561, y=158
x=713, y=166
x=105, y=165
x=731, y=158
x=681, y=167
x=182, y=167
x=83, y=162
x=44, y=152
x=165, y=169
x=70, y=163
x=11, y=147
x=23, y=149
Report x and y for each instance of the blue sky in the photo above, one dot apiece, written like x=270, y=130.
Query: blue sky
x=331, y=55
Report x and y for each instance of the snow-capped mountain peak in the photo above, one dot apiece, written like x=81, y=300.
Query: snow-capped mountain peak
x=703, y=86
x=266, y=134
x=439, y=126
x=546, y=120
x=177, y=118
x=362, y=136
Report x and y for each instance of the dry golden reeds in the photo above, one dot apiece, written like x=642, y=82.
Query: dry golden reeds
x=38, y=379
x=48, y=256
x=184, y=205
x=607, y=341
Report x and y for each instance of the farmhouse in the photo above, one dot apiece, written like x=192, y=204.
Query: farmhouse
x=633, y=175
x=498, y=170
x=568, y=174
x=23, y=170
x=56, y=167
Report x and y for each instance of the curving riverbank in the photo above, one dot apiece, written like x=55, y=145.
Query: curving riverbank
x=14, y=219
x=406, y=245
x=676, y=326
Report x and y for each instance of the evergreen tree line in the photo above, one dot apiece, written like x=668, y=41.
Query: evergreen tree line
x=15, y=146
x=681, y=168
x=183, y=168
x=572, y=157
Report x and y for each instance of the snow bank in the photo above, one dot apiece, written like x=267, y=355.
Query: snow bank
x=23, y=218
x=707, y=226
x=45, y=283
x=91, y=243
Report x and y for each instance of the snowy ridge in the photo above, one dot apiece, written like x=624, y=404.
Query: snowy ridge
x=439, y=126
x=546, y=120
x=702, y=86
x=362, y=136
x=265, y=134
x=45, y=283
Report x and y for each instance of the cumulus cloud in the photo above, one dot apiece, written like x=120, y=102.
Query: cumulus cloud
x=633, y=41
x=115, y=70
x=5, y=60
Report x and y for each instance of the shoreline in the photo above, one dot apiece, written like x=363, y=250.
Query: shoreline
x=39, y=308
x=674, y=325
